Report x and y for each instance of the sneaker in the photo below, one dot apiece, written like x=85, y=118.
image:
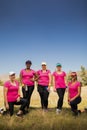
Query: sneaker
x=5, y=113
x=58, y=111
x=1, y=110
x=19, y=114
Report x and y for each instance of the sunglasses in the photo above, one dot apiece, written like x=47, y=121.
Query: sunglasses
x=43, y=65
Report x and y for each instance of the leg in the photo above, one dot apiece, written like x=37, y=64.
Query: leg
x=42, y=102
x=40, y=90
x=24, y=92
x=29, y=94
x=60, y=92
x=23, y=103
x=11, y=108
x=74, y=104
x=74, y=108
x=45, y=96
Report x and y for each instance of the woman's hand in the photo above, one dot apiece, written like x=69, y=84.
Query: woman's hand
x=7, y=106
x=48, y=89
x=71, y=100
x=18, y=99
x=68, y=101
x=54, y=89
x=22, y=85
x=32, y=79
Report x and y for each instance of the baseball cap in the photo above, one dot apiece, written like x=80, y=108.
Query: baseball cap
x=11, y=73
x=43, y=63
x=58, y=64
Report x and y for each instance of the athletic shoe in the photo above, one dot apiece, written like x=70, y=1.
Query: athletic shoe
x=58, y=111
x=1, y=110
x=19, y=114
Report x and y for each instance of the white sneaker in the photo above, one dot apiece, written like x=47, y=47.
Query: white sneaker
x=58, y=111
x=1, y=110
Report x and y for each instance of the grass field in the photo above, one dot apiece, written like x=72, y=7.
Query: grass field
x=38, y=120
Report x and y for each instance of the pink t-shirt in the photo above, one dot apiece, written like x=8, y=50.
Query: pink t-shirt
x=43, y=77
x=73, y=89
x=59, y=80
x=12, y=93
x=27, y=76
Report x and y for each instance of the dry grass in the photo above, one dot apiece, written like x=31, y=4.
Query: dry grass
x=36, y=119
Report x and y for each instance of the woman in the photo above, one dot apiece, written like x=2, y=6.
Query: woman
x=74, y=93
x=27, y=78
x=44, y=83
x=12, y=95
x=59, y=85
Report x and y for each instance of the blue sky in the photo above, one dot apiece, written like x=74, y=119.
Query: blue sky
x=43, y=30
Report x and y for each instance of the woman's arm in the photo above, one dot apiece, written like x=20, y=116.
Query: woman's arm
x=19, y=95
x=21, y=79
x=79, y=93
x=36, y=77
x=5, y=98
x=54, y=84
x=65, y=81
x=50, y=81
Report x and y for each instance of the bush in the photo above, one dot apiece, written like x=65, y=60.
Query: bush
x=1, y=83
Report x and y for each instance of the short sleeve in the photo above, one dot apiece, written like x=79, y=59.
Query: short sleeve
x=34, y=72
x=6, y=84
x=49, y=72
x=38, y=72
x=64, y=74
x=79, y=84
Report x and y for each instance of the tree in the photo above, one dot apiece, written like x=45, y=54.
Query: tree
x=83, y=75
x=68, y=78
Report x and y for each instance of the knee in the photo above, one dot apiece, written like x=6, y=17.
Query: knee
x=25, y=101
x=61, y=98
x=71, y=103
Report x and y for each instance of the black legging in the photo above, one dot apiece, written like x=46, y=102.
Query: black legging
x=74, y=104
x=44, y=94
x=60, y=92
x=22, y=102
x=27, y=94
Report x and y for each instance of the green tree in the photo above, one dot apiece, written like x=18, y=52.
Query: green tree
x=83, y=75
x=68, y=78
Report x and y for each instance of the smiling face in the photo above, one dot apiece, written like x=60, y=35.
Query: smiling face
x=73, y=76
x=59, y=68
x=12, y=77
x=28, y=65
x=44, y=67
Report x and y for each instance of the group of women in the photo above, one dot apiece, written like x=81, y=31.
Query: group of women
x=44, y=80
